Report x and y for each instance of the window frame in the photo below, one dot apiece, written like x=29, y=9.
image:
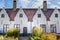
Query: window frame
x=43, y=26
x=20, y=15
x=39, y=15
x=2, y=15
x=56, y=15
x=53, y=29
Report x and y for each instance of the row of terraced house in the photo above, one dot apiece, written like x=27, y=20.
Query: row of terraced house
x=20, y=18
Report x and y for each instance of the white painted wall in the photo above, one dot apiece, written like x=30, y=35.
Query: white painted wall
x=38, y=21
x=5, y=20
x=22, y=21
x=54, y=20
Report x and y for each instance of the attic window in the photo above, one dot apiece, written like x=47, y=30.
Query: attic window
x=2, y=16
x=21, y=15
x=56, y=15
x=39, y=15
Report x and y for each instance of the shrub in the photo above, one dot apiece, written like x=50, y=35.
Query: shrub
x=1, y=37
x=48, y=36
x=12, y=32
x=37, y=31
x=12, y=38
x=34, y=38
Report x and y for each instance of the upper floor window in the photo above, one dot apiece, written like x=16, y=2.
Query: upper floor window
x=21, y=15
x=56, y=15
x=2, y=16
x=39, y=15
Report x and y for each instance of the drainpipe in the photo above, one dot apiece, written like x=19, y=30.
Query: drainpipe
x=31, y=26
x=11, y=24
x=57, y=26
x=21, y=27
x=48, y=27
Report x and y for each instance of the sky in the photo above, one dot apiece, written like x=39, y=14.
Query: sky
x=29, y=3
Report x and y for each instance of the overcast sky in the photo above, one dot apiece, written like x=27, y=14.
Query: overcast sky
x=29, y=3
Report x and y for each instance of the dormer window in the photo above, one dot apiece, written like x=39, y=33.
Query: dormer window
x=2, y=15
x=21, y=15
x=39, y=15
x=56, y=15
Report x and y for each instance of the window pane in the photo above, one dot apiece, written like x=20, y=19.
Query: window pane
x=56, y=15
x=2, y=16
x=53, y=28
x=43, y=26
x=17, y=26
x=39, y=15
x=21, y=15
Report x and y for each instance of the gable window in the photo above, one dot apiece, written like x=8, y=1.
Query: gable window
x=2, y=16
x=39, y=15
x=21, y=15
x=56, y=15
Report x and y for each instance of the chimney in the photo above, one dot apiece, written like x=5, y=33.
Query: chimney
x=45, y=5
x=14, y=5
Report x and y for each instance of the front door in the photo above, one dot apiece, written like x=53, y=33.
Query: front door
x=25, y=31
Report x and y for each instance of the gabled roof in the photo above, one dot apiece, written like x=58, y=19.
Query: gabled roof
x=11, y=13
x=48, y=13
x=29, y=13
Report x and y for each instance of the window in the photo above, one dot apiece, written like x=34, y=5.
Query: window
x=5, y=27
x=17, y=26
x=53, y=28
x=56, y=15
x=2, y=16
x=21, y=15
x=39, y=15
x=44, y=27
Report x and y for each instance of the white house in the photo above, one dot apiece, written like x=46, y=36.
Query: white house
x=39, y=19
x=55, y=21
x=4, y=19
x=26, y=19
x=21, y=20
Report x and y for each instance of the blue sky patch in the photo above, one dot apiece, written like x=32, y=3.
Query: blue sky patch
x=29, y=3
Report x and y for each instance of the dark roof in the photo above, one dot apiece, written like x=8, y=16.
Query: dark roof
x=29, y=13
x=48, y=13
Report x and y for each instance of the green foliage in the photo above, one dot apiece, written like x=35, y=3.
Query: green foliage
x=49, y=36
x=12, y=32
x=37, y=31
x=1, y=37
x=34, y=38
x=11, y=38
x=31, y=38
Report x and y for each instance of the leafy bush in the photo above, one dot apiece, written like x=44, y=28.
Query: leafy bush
x=1, y=37
x=34, y=38
x=12, y=38
x=12, y=32
x=37, y=31
x=49, y=36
